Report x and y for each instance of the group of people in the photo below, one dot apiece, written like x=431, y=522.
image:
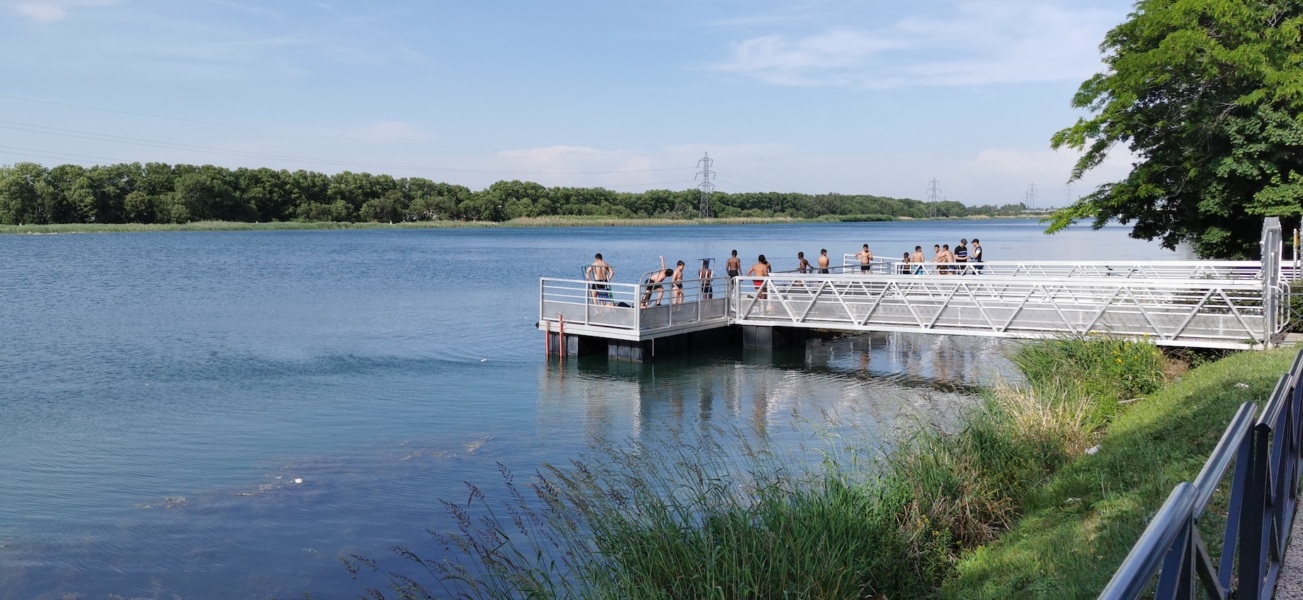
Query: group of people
x=962, y=260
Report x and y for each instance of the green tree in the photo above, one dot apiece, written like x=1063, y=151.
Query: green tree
x=1207, y=95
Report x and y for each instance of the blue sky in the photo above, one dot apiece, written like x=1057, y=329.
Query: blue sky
x=821, y=96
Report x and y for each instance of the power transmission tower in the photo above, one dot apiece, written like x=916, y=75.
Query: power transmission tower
x=1031, y=197
x=705, y=186
x=933, y=193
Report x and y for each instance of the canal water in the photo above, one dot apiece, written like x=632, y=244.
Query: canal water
x=223, y=415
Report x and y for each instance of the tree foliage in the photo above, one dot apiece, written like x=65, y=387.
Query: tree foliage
x=160, y=193
x=1206, y=94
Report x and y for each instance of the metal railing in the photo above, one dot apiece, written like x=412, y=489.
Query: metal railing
x=1196, y=312
x=633, y=306
x=1263, y=496
x=1152, y=269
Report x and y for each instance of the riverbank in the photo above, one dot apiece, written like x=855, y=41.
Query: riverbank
x=568, y=221
x=1080, y=522
x=1039, y=491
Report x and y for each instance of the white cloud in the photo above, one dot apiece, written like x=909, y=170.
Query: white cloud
x=52, y=11
x=973, y=43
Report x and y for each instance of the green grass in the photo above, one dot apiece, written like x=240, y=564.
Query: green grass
x=1080, y=524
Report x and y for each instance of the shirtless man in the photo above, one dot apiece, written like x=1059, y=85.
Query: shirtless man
x=678, y=283
x=705, y=275
x=802, y=265
x=866, y=259
x=654, y=284
x=917, y=259
x=903, y=268
x=823, y=261
x=946, y=258
x=733, y=267
x=601, y=274
x=760, y=269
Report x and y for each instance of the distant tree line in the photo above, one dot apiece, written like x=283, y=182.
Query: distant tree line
x=162, y=193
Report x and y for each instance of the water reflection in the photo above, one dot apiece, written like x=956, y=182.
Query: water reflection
x=866, y=382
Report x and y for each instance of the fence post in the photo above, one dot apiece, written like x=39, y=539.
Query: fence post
x=1252, y=523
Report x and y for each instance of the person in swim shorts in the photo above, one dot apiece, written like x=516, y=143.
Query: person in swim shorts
x=600, y=273
x=760, y=269
x=677, y=278
x=704, y=276
x=654, y=284
x=823, y=261
x=866, y=259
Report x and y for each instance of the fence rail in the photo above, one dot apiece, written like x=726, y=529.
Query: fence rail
x=1265, y=452
x=1226, y=313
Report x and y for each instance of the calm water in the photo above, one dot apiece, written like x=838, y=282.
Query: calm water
x=222, y=415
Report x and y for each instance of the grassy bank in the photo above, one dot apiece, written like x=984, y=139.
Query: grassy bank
x=1080, y=523
x=1007, y=503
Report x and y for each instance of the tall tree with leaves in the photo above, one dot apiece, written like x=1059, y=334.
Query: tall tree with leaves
x=1208, y=96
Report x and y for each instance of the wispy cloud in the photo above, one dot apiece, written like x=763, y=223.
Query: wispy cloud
x=52, y=11
x=974, y=43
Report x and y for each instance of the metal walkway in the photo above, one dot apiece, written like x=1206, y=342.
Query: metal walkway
x=1214, y=313
x=1209, y=304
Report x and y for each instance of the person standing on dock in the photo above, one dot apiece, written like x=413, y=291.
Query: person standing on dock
x=961, y=257
x=654, y=284
x=866, y=259
x=601, y=274
x=705, y=275
x=975, y=257
x=918, y=260
x=823, y=261
x=734, y=268
x=903, y=269
x=678, y=283
x=760, y=269
x=802, y=265
x=946, y=258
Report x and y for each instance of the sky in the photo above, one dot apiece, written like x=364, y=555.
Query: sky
x=854, y=97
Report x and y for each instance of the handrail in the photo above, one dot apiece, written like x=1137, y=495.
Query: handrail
x=1268, y=456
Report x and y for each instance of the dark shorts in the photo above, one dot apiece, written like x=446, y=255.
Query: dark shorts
x=865, y=268
x=823, y=271
x=733, y=273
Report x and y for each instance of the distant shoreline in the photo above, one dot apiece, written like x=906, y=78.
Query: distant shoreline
x=513, y=223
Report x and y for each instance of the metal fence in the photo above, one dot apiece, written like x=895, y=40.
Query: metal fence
x=633, y=306
x=1228, y=313
x=1150, y=269
x=1263, y=494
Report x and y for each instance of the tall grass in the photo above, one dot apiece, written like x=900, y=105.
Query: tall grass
x=722, y=515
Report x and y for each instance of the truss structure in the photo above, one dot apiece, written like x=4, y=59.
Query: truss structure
x=1223, y=313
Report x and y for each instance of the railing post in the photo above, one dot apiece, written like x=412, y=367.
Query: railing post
x=1252, y=523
